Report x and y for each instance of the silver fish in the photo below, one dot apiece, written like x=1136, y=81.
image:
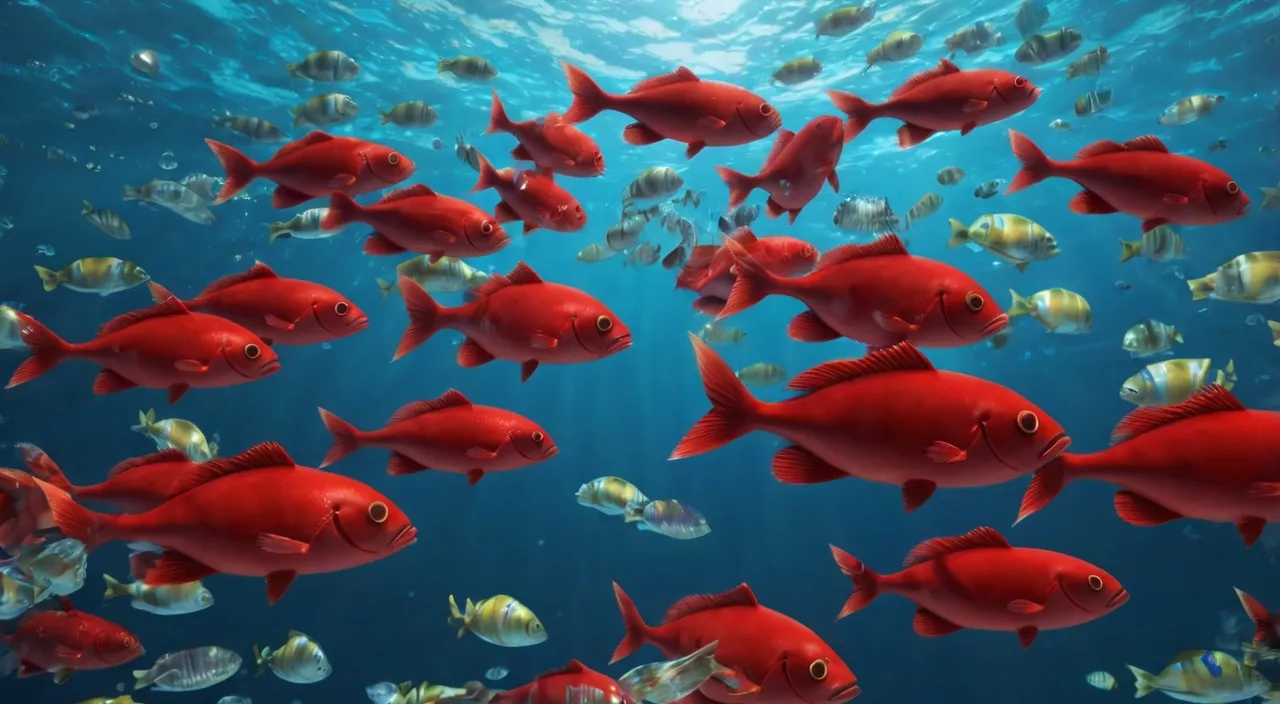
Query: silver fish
x=670, y=518
x=189, y=670
x=861, y=213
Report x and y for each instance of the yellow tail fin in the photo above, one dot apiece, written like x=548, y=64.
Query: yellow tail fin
x=48, y=277
x=443, y=65
x=114, y=588
x=1275, y=332
x=1200, y=288
x=1129, y=250
x=1177, y=336
x=261, y=658
x=1144, y=682
x=1019, y=306
x=456, y=615
x=275, y=231
x=1227, y=378
x=959, y=233
x=386, y=287
x=386, y=116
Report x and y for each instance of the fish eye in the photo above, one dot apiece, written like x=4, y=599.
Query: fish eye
x=252, y=351
x=818, y=670
x=341, y=308
x=1028, y=422
x=486, y=227
x=538, y=436
x=604, y=323
x=974, y=302
x=128, y=641
x=1095, y=582
x=1019, y=82
x=1233, y=187
x=393, y=158
x=766, y=110
x=378, y=512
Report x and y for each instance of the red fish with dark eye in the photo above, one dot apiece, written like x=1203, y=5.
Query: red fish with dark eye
x=135, y=485
x=551, y=143
x=795, y=170
x=710, y=273
x=518, y=318
x=769, y=657
x=314, y=166
x=1208, y=457
x=417, y=219
x=979, y=581
x=1139, y=178
x=889, y=417
x=449, y=434
x=875, y=293
x=574, y=682
x=532, y=197
x=255, y=515
x=68, y=640
x=678, y=106
x=166, y=346
x=279, y=310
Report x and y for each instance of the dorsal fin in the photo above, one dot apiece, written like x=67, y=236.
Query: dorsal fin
x=1209, y=399
x=573, y=668
x=313, y=138
x=1146, y=143
x=267, y=454
x=944, y=68
x=780, y=143
x=883, y=246
x=740, y=595
x=981, y=537
x=168, y=305
x=253, y=273
x=680, y=75
x=522, y=274
x=744, y=236
x=1106, y=146
x=162, y=457
x=448, y=399
x=417, y=190
x=902, y=357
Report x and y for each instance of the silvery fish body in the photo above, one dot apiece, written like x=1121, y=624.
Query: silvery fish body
x=665, y=682
x=741, y=216
x=670, y=518
x=204, y=185
x=53, y=568
x=862, y=213
x=989, y=189
x=175, y=197
x=189, y=670
x=255, y=128
x=611, y=496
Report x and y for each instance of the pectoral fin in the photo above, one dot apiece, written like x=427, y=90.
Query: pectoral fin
x=278, y=323
x=280, y=545
x=945, y=453
x=974, y=106
x=193, y=366
x=481, y=453
x=1175, y=199
x=341, y=181
x=711, y=122
x=1024, y=606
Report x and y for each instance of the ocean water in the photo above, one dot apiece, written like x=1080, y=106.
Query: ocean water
x=522, y=533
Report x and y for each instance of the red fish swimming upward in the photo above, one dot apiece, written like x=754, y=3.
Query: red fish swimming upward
x=941, y=99
x=551, y=143
x=256, y=515
x=165, y=346
x=417, y=219
x=1208, y=458
x=978, y=580
x=677, y=106
x=710, y=273
x=279, y=310
x=889, y=417
x=531, y=197
x=134, y=485
x=314, y=166
x=795, y=169
x=770, y=657
x=1139, y=178
x=66, y=641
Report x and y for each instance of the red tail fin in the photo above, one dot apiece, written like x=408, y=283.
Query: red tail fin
x=47, y=351
x=74, y=520
x=589, y=99
x=732, y=407
x=752, y=282
x=424, y=314
x=343, y=210
x=637, y=630
x=1036, y=167
x=866, y=584
x=1263, y=620
x=859, y=111
x=740, y=185
x=489, y=176
x=498, y=120
x=240, y=170
x=43, y=466
x=1045, y=486
x=346, y=438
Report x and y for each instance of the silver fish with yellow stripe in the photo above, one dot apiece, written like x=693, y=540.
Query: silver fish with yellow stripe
x=1042, y=48
x=670, y=518
x=303, y=226
x=325, y=67
x=174, y=197
x=1090, y=64
x=844, y=20
x=950, y=175
x=101, y=275
x=1150, y=337
x=500, y=620
x=1013, y=238
x=973, y=38
x=165, y=600
x=414, y=113
x=1159, y=244
x=898, y=46
x=1057, y=309
x=1249, y=278
x=1174, y=381
x=109, y=221
x=761, y=374
x=255, y=128
x=926, y=206
x=471, y=68
x=595, y=252
x=798, y=71
x=300, y=660
x=1189, y=110
x=719, y=332
x=610, y=495
x=1205, y=677
x=177, y=434
x=653, y=182
x=17, y=596
x=445, y=275
x=324, y=110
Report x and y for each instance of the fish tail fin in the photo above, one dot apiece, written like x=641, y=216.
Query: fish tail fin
x=343, y=210
x=261, y=660
x=1129, y=250
x=47, y=351
x=489, y=176
x=740, y=185
x=142, y=679
x=1036, y=167
x=732, y=406
x=276, y=230
x=48, y=278
x=1019, y=306
x=1177, y=336
x=859, y=112
x=43, y=466
x=1264, y=623
x=866, y=583
x=424, y=316
x=457, y=615
x=589, y=99
x=498, y=120
x=1144, y=682
x=1045, y=486
x=1201, y=288
x=131, y=193
x=144, y=423
x=74, y=520
x=475, y=692
x=751, y=284
x=240, y=170
x=443, y=65
x=1275, y=332
x=114, y=588
x=1227, y=377
x=346, y=437
x=384, y=117
x=385, y=288
x=293, y=70
x=959, y=233
x=637, y=630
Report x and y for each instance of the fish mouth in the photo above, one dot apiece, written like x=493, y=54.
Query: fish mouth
x=1035, y=94
x=619, y=344
x=1118, y=599
x=550, y=452
x=849, y=691
x=406, y=537
x=1055, y=447
x=269, y=368
x=996, y=324
x=358, y=324
x=346, y=537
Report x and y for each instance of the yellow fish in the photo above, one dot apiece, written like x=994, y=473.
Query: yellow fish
x=1173, y=381
x=950, y=175
x=610, y=495
x=1205, y=677
x=11, y=329
x=1150, y=337
x=1160, y=244
x=472, y=68
x=300, y=660
x=122, y=699
x=414, y=113
x=798, y=71
x=1013, y=238
x=1057, y=309
x=445, y=275
x=101, y=275
x=166, y=600
x=500, y=620
x=325, y=66
x=844, y=20
x=1090, y=64
x=1249, y=278
x=898, y=46
x=1042, y=48
x=762, y=374
x=178, y=434
x=1190, y=109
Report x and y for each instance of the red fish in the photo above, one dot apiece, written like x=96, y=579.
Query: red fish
x=677, y=106
x=773, y=658
x=1208, y=458
x=709, y=271
x=1139, y=178
x=314, y=166
x=941, y=99
x=417, y=219
x=518, y=318
x=165, y=346
x=25, y=514
x=1266, y=631
x=979, y=581
x=135, y=485
x=532, y=197
x=67, y=641
x=280, y=311
x=255, y=515
x=574, y=682
x=450, y=434
x=889, y=417
x=795, y=169
x=551, y=143
x=875, y=293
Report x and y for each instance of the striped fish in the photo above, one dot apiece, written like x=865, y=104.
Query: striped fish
x=1057, y=309
x=500, y=620
x=1161, y=244
x=1249, y=278
x=1042, y=48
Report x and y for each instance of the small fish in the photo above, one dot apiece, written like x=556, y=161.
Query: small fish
x=1123, y=285
x=496, y=673
x=719, y=332
x=670, y=680
x=595, y=252
x=325, y=67
x=898, y=46
x=1174, y=380
x=410, y=114
x=676, y=258
x=145, y=62
x=1101, y=680
x=166, y=600
x=690, y=198
x=1270, y=198
x=325, y=110
x=1040, y=49
x=300, y=660
x=471, y=68
x=1057, y=309
x=611, y=496
x=175, y=197
x=798, y=71
x=466, y=153
x=56, y=568
x=178, y=434
x=1013, y=238
x=762, y=374
x=1161, y=244
x=1150, y=337
x=1190, y=109
x=989, y=189
x=109, y=221
x=1093, y=102
x=17, y=596
x=1249, y=278
x=625, y=233
x=445, y=275
x=304, y=226
x=861, y=213
x=101, y=275
x=647, y=254
x=1205, y=676
x=741, y=216
x=189, y=670
x=1090, y=64
x=653, y=182
x=255, y=128
x=670, y=518
x=973, y=39
x=1060, y=125
x=1031, y=16
x=950, y=175
x=500, y=620
x=844, y=20
x=926, y=206
x=1218, y=145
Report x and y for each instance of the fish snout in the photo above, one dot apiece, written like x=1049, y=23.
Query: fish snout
x=269, y=368
x=995, y=325
x=619, y=344
x=1056, y=446
x=550, y=452
x=358, y=324
x=406, y=537
x=845, y=693
x=1118, y=599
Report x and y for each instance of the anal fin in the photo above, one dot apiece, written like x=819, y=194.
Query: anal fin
x=796, y=465
x=910, y=135
x=930, y=625
x=808, y=327
x=176, y=568
x=400, y=464
x=1137, y=510
x=915, y=492
x=640, y=134
x=1090, y=203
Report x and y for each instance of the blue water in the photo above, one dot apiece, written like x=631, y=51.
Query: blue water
x=522, y=533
